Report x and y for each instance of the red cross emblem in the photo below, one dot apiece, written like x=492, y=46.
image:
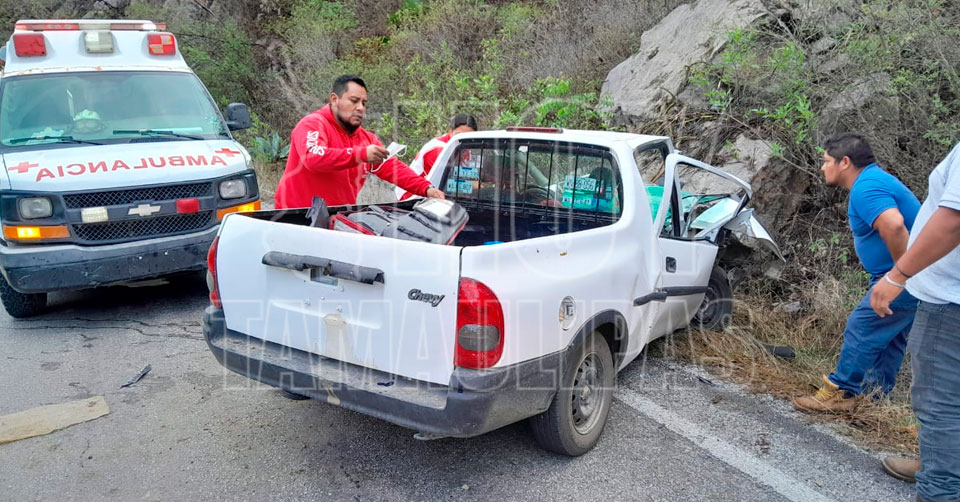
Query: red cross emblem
x=228, y=152
x=22, y=167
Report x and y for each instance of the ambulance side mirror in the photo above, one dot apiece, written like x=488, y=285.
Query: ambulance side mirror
x=238, y=117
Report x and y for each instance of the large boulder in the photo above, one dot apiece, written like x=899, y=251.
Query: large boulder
x=777, y=187
x=640, y=86
x=865, y=101
x=826, y=16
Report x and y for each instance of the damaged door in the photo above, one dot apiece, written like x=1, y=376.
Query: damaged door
x=686, y=262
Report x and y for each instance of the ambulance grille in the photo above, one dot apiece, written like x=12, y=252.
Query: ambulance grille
x=130, y=196
x=128, y=230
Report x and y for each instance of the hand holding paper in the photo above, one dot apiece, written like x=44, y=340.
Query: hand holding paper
x=395, y=149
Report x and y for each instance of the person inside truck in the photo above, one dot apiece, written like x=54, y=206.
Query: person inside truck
x=428, y=154
x=331, y=154
x=497, y=178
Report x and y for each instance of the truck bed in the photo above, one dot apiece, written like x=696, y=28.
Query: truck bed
x=488, y=223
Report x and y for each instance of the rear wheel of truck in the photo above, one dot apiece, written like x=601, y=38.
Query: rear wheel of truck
x=19, y=304
x=576, y=417
x=716, y=311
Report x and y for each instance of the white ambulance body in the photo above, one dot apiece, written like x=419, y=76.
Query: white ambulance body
x=117, y=164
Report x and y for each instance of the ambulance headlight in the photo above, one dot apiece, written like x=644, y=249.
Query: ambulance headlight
x=233, y=189
x=35, y=207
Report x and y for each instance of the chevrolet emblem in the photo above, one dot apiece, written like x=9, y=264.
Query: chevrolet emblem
x=143, y=210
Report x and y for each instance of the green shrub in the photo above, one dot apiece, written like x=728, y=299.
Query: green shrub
x=270, y=149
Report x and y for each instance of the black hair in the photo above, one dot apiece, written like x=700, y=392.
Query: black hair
x=851, y=145
x=340, y=84
x=464, y=119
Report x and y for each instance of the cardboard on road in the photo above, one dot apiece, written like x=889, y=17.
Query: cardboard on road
x=53, y=417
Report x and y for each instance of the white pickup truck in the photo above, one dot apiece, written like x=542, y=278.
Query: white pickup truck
x=568, y=266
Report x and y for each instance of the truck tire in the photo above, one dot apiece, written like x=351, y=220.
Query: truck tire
x=575, y=419
x=19, y=304
x=716, y=310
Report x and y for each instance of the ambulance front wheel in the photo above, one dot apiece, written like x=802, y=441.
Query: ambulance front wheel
x=19, y=304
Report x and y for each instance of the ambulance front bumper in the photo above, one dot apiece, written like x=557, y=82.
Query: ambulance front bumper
x=62, y=267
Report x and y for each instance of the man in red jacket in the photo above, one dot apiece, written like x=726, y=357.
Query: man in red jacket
x=331, y=155
x=427, y=156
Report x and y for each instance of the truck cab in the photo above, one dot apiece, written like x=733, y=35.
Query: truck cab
x=117, y=164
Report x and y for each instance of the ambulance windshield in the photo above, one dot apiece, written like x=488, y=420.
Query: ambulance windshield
x=106, y=108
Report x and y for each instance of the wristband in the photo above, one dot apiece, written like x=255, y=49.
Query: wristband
x=901, y=271
x=887, y=278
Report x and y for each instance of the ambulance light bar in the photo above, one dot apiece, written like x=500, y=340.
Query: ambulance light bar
x=93, y=24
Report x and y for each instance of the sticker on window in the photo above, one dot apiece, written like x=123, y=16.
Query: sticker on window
x=583, y=184
x=466, y=173
x=586, y=196
x=461, y=186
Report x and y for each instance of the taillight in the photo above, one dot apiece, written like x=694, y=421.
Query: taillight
x=161, y=44
x=212, y=274
x=29, y=44
x=479, y=326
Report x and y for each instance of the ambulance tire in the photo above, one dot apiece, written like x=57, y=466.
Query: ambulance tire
x=716, y=311
x=575, y=419
x=21, y=305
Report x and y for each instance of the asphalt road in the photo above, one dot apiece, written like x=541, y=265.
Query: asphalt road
x=189, y=430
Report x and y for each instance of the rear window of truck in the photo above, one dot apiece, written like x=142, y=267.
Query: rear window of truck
x=536, y=176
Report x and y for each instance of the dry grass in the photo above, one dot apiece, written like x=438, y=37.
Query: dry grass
x=268, y=177
x=816, y=334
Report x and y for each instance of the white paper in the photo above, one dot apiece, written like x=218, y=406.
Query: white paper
x=395, y=149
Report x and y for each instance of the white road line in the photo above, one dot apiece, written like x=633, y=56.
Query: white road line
x=792, y=489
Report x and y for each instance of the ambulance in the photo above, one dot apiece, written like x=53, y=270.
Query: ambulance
x=117, y=164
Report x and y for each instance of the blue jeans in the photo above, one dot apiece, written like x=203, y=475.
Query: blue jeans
x=935, y=392
x=873, y=346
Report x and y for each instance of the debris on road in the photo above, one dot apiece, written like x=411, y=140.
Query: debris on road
x=146, y=369
x=781, y=351
x=46, y=419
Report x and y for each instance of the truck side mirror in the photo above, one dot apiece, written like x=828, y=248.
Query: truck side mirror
x=238, y=117
x=3, y=56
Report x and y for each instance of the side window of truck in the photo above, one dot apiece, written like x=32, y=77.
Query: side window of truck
x=651, y=161
x=706, y=198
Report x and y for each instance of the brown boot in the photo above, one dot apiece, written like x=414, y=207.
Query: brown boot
x=904, y=469
x=829, y=399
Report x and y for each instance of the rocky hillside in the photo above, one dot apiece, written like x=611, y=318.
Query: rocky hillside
x=754, y=85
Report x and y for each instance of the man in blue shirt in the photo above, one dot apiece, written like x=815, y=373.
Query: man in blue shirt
x=881, y=212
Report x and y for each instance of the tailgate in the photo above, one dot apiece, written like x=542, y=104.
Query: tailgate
x=380, y=303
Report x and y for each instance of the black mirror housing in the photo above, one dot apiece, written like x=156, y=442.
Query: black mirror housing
x=238, y=117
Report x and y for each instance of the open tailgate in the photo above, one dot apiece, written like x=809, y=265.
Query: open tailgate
x=376, y=302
